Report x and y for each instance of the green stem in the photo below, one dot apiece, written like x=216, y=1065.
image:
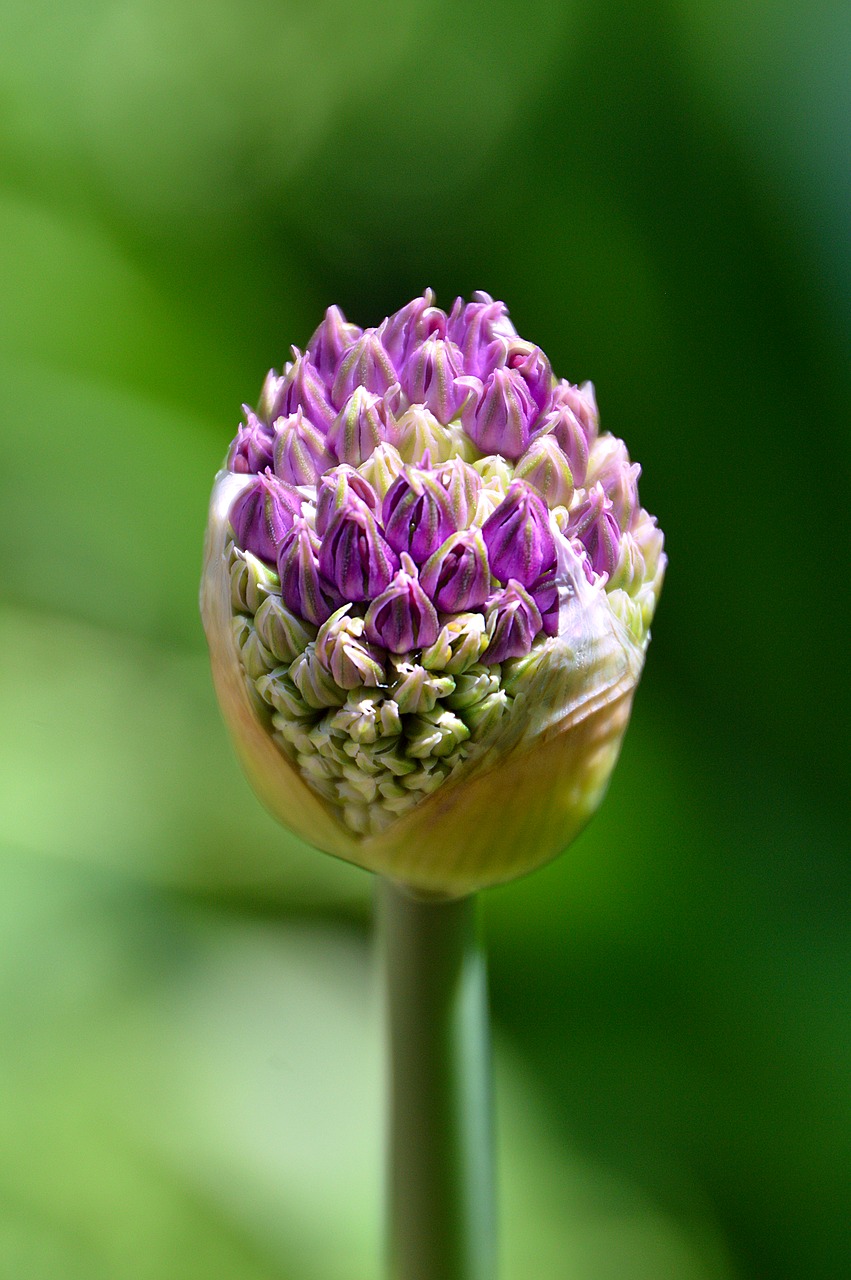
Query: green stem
x=441, y=1201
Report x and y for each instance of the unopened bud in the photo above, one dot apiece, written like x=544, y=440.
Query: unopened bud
x=303, y=588
x=252, y=449
x=364, y=421
x=284, y=634
x=499, y=412
x=416, y=514
x=518, y=536
x=545, y=467
x=330, y=342
x=263, y=513
x=301, y=451
x=251, y=581
x=460, y=643
x=402, y=618
x=382, y=468
x=366, y=364
x=429, y=377
x=341, y=649
x=513, y=621
x=314, y=682
x=415, y=689
x=456, y=576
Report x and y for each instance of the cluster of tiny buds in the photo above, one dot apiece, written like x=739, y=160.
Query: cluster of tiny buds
x=410, y=489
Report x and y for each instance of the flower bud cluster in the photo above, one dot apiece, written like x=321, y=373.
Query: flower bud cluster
x=416, y=502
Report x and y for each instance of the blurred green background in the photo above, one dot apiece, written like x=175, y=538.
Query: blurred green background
x=190, y=1058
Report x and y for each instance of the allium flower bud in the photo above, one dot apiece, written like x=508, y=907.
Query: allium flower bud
x=436, y=734
x=429, y=377
x=303, y=588
x=366, y=364
x=300, y=450
x=368, y=719
x=427, y=623
x=252, y=449
x=628, y=573
x=329, y=343
x=535, y=370
x=278, y=689
x=410, y=326
x=594, y=525
x=513, y=621
x=563, y=426
x=283, y=633
x=263, y=513
x=609, y=466
x=418, y=433
x=340, y=648
x=251, y=581
x=256, y=658
x=271, y=397
x=315, y=682
x=474, y=685
x=353, y=554
x=460, y=643
x=364, y=421
x=518, y=536
x=416, y=689
x=496, y=470
x=382, y=468
x=650, y=541
x=463, y=485
x=498, y=413
x=340, y=487
x=483, y=716
x=402, y=618
x=474, y=326
x=582, y=402
x=456, y=577
x=545, y=467
x=303, y=388
x=417, y=515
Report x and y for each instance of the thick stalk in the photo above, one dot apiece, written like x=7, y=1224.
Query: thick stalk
x=440, y=1170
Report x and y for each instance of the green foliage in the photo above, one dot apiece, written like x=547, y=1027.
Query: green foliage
x=190, y=1059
